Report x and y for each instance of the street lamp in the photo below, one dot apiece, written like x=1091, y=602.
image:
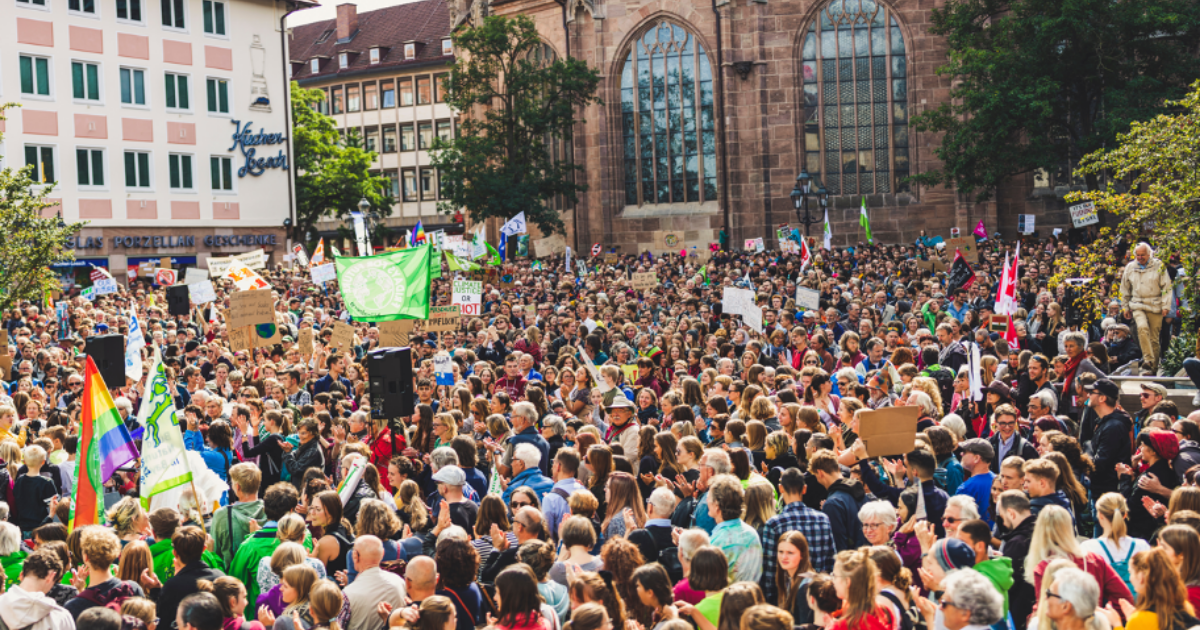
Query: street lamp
x=363, y=207
x=806, y=187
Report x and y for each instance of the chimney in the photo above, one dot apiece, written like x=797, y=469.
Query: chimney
x=347, y=21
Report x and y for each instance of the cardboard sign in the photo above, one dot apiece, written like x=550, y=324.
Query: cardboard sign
x=932, y=266
x=808, y=299
x=165, y=277
x=343, y=336
x=267, y=335
x=888, y=432
x=305, y=342
x=966, y=245
x=240, y=339
x=202, y=292
x=645, y=281
x=612, y=259
x=671, y=240
x=396, y=333
x=737, y=301
x=165, y=262
x=250, y=308
x=442, y=319
x=6, y=361
x=549, y=246
x=1084, y=214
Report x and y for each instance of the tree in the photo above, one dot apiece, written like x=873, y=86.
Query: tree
x=514, y=104
x=1154, y=195
x=331, y=175
x=1040, y=83
x=29, y=242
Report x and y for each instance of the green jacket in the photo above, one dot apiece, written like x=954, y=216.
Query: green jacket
x=12, y=566
x=999, y=571
x=259, y=545
x=224, y=546
x=163, y=553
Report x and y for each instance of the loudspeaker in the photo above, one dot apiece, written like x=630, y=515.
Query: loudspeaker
x=108, y=351
x=178, y=300
x=391, y=382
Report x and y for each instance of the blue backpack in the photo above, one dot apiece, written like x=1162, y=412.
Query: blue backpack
x=1122, y=567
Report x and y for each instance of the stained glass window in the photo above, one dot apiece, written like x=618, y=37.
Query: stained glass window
x=668, y=119
x=856, y=99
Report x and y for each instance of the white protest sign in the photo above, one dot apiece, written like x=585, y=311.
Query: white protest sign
x=760, y=245
x=1025, y=223
x=808, y=299
x=737, y=301
x=443, y=368
x=1084, y=214
x=244, y=277
x=105, y=286
x=323, y=273
x=590, y=324
x=202, y=292
x=469, y=295
x=218, y=267
x=192, y=275
x=754, y=318
x=165, y=277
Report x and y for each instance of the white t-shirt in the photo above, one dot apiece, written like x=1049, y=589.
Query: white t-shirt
x=1118, y=553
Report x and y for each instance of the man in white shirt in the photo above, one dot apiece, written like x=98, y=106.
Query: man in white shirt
x=371, y=586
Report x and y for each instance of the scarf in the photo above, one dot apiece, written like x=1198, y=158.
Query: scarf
x=1072, y=368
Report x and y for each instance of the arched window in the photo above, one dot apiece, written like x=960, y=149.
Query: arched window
x=558, y=149
x=856, y=99
x=668, y=119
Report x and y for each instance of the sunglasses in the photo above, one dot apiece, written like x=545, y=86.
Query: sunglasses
x=516, y=505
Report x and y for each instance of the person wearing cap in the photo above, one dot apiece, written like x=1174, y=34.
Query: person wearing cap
x=1146, y=291
x=1111, y=441
x=623, y=428
x=1158, y=449
x=946, y=555
x=1122, y=349
x=1149, y=397
x=463, y=512
x=978, y=455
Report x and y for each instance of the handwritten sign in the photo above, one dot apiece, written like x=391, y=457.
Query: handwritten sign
x=645, y=281
x=218, y=267
x=443, y=368
x=241, y=338
x=442, y=319
x=202, y=292
x=305, y=342
x=1084, y=214
x=249, y=308
x=244, y=277
x=468, y=295
x=966, y=245
x=323, y=273
x=165, y=277
x=549, y=246
x=612, y=259
x=808, y=299
x=395, y=334
x=737, y=301
x=343, y=336
x=192, y=275
x=105, y=286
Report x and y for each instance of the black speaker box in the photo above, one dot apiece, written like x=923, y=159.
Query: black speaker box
x=178, y=300
x=108, y=351
x=391, y=382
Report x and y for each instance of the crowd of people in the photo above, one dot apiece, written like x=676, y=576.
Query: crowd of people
x=603, y=458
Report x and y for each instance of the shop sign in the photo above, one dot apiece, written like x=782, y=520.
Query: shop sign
x=247, y=140
x=173, y=242
x=154, y=242
x=239, y=240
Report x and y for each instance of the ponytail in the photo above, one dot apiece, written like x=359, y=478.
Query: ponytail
x=1112, y=506
x=862, y=573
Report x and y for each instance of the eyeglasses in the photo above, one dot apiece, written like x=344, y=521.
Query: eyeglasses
x=872, y=526
x=945, y=602
x=1050, y=594
x=952, y=520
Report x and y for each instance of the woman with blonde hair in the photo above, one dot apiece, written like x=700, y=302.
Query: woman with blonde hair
x=295, y=589
x=445, y=429
x=1114, y=545
x=930, y=387
x=1182, y=546
x=410, y=507
x=1162, y=601
x=287, y=554
x=856, y=579
x=1054, y=538
x=129, y=521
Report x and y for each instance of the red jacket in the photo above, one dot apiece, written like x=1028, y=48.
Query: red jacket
x=381, y=454
x=1112, y=587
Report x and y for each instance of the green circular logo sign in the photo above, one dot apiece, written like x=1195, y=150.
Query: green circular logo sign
x=376, y=287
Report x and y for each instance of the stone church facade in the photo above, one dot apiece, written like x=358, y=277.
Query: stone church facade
x=712, y=109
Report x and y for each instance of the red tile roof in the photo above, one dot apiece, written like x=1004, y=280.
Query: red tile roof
x=425, y=22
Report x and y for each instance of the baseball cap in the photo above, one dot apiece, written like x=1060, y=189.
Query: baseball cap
x=450, y=475
x=1105, y=387
x=1156, y=388
x=980, y=447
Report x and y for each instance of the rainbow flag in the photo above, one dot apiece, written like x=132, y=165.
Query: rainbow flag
x=104, y=446
x=419, y=234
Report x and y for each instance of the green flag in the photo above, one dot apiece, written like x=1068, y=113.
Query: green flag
x=496, y=261
x=435, y=261
x=864, y=222
x=389, y=286
x=457, y=264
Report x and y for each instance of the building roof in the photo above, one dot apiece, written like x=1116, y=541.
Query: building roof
x=424, y=22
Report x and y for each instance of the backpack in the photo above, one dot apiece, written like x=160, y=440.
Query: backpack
x=396, y=566
x=112, y=598
x=1121, y=568
x=669, y=559
x=945, y=381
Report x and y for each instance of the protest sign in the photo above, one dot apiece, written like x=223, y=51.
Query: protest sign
x=442, y=319
x=165, y=277
x=468, y=295
x=396, y=333
x=612, y=259
x=192, y=275
x=1025, y=223
x=218, y=267
x=301, y=256
x=630, y=372
x=202, y=292
x=549, y=246
x=967, y=246
x=671, y=240
x=737, y=301
x=323, y=273
x=305, y=342
x=244, y=277
x=1084, y=214
x=393, y=285
x=240, y=339
x=888, y=432
x=753, y=318
x=88, y=293
x=105, y=286
x=249, y=308
x=443, y=368
x=343, y=336
x=165, y=262
x=808, y=299
x=645, y=281
x=6, y=361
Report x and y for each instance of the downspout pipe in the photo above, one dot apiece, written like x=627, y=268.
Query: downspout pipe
x=287, y=118
x=721, y=125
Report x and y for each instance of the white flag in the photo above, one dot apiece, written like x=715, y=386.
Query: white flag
x=164, y=458
x=976, y=378
x=828, y=231
x=515, y=225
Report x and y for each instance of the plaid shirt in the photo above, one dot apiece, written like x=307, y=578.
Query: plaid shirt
x=817, y=532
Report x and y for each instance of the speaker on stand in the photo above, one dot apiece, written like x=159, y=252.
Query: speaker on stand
x=108, y=351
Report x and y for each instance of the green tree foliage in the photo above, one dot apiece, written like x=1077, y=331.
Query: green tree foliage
x=331, y=176
x=514, y=104
x=1153, y=194
x=29, y=242
x=1040, y=83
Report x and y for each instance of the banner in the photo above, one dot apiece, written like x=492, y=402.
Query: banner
x=467, y=294
x=393, y=285
x=442, y=319
x=218, y=267
x=164, y=458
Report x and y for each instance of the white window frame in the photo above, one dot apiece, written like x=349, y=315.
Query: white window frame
x=172, y=27
x=447, y=46
x=94, y=15
x=314, y=66
x=103, y=163
x=149, y=164
x=145, y=86
x=54, y=161
x=49, y=77
x=126, y=20
x=228, y=97
x=410, y=51
x=191, y=158
x=375, y=55
x=343, y=60
x=232, y=176
x=191, y=93
x=28, y=4
x=99, y=77
x=224, y=10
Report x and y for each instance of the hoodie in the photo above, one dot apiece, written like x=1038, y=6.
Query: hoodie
x=1058, y=497
x=33, y=611
x=223, y=544
x=845, y=498
x=1015, y=547
x=999, y=572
